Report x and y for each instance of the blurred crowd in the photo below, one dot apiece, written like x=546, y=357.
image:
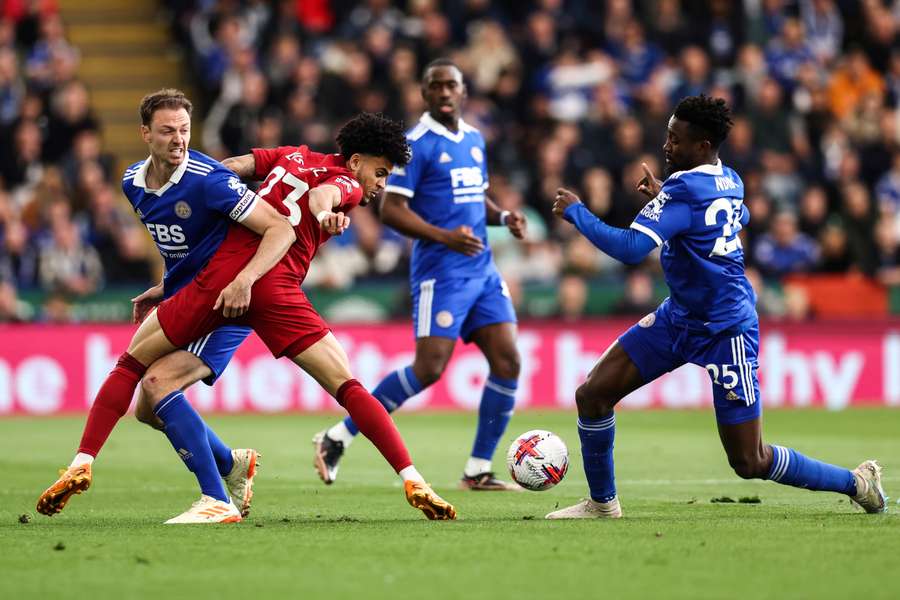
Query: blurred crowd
x=63, y=227
x=572, y=93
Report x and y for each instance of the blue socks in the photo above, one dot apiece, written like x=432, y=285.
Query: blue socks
x=188, y=434
x=221, y=452
x=597, y=437
x=789, y=467
x=494, y=412
x=392, y=392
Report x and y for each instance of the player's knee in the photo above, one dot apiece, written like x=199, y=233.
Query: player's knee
x=155, y=388
x=592, y=403
x=748, y=466
x=507, y=366
x=430, y=370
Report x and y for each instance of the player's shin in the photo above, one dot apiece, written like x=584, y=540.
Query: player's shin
x=597, y=438
x=789, y=467
x=494, y=413
x=374, y=422
x=188, y=435
x=221, y=452
x=395, y=389
x=111, y=403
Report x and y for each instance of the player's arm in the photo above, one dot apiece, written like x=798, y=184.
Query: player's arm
x=629, y=246
x=244, y=166
x=513, y=219
x=323, y=199
x=396, y=213
x=277, y=237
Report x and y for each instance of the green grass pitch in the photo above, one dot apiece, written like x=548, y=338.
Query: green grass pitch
x=359, y=539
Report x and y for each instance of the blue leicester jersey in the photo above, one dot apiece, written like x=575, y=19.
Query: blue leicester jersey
x=189, y=216
x=445, y=182
x=696, y=218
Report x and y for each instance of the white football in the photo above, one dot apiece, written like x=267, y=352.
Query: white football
x=538, y=460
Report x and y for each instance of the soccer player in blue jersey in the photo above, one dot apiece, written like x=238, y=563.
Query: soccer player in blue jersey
x=187, y=202
x=709, y=319
x=439, y=200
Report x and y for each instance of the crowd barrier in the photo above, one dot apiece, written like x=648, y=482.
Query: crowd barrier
x=51, y=369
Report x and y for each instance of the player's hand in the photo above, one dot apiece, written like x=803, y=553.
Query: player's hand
x=144, y=303
x=564, y=199
x=463, y=240
x=234, y=300
x=335, y=223
x=517, y=223
x=649, y=185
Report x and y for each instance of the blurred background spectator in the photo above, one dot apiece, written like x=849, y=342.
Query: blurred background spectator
x=571, y=93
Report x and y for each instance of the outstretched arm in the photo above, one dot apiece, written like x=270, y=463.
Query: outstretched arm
x=629, y=246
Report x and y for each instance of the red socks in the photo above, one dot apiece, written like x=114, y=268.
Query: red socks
x=111, y=403
x=374, y=422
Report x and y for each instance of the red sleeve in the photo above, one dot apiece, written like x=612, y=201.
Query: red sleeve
x=351, y=191
x=265, y=158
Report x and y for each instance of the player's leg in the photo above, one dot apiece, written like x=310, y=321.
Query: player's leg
x=439, y=309
x=498, y=344
x=111, y=403
x=732, y=368
x=431, y=358
x=639, y=356
x=327, y=363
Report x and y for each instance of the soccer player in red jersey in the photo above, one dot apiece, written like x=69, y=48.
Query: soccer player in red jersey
x=314, y=192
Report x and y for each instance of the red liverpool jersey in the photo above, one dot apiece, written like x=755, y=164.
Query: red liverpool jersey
x=290, y=172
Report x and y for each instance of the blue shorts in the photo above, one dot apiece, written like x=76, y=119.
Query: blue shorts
x=658, y=344
x=217, y=347
x=458, y=307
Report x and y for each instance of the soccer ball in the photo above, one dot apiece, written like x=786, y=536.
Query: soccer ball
x=537, y=460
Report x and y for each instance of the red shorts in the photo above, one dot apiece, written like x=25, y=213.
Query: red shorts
x=280, y=313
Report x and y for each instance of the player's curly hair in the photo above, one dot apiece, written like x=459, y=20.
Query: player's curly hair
x=709, y=118
x=376, y=135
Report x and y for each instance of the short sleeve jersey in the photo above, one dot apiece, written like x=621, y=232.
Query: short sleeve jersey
x=290, y=172
x=696, y=218
x=189, y=216
x=445, y=183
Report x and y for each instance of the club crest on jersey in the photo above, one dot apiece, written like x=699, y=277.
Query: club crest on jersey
x=235, y=184
x=653, y=209
x=444, y=318
x=182, y=209
x=477, y=154
x=648, y=321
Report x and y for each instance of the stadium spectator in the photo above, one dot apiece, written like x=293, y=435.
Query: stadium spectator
x=785, y=249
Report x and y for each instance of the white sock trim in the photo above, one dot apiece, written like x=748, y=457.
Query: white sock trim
x=340, y=433
x=411, y=474
x=80, y=459
x=476, y=466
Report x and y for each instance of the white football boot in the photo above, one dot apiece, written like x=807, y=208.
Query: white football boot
x=589, y=509
x=869, y=493
x=240, y=480
x=208, y=510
